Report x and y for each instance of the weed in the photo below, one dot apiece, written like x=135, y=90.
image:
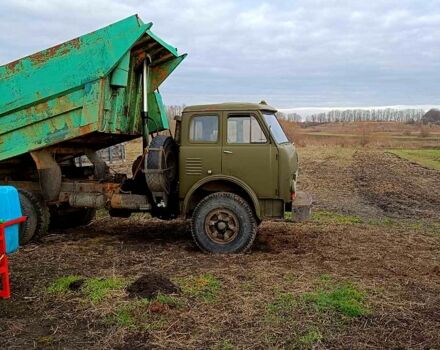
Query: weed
x=310, y=338
x=63, y=284
x=326, y=217
x=282, y=306
x=289, y=277
x=168, y=300
x=224, y=345
x=325, y=278
x=134, y=315
x=423, y=226
x=205, y=287
x=341, y=297
x=381, y=222
x=45, y=341
x=124, y=318
x=97, y=289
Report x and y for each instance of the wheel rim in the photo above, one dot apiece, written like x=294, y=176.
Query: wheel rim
x=221, y=226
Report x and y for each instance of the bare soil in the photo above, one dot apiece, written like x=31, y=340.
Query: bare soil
x=398, y=187
x=392, y=254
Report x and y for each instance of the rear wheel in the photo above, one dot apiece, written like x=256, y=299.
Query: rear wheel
x=37, y=213
x=223, y=223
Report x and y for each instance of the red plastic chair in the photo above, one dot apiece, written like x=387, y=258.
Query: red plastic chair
x=5, y=291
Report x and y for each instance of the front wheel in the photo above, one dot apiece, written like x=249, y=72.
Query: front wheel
x=223, y=222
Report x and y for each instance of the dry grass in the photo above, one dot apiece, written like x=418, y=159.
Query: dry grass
x=364, y=134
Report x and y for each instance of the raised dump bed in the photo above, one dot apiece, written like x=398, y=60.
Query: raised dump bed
x=86, y=93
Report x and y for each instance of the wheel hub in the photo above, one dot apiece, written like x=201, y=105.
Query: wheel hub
x=222, y=226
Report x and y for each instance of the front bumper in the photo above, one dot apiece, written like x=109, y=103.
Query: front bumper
x=302, y=207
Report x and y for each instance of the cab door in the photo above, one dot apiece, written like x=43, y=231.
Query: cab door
x=248, y=154
x=200, y=150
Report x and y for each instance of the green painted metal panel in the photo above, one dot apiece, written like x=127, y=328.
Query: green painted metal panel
x=157, y=117
x=88, y=84
x=36, y=136
x=120, y=74
x=67, y=66
x=167, y=46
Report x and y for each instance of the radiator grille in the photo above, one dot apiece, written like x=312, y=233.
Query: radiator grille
x=193, y=166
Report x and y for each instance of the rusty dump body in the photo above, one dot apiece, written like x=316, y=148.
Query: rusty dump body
x=75, y=98
x=85, y=93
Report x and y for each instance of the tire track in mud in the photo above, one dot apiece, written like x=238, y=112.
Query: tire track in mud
x=329, y=178
x=400, y=188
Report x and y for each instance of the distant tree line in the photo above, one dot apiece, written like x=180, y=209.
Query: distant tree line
x=354, y=115
x=348, y=115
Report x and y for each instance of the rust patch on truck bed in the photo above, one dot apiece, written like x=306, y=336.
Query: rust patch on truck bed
x=55, y=51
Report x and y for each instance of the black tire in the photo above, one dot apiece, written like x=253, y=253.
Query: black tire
x=38, y=217
x=235, y=213
x=68, y=217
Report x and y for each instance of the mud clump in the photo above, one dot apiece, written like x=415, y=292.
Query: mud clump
x=76, y=285
x=150, y=285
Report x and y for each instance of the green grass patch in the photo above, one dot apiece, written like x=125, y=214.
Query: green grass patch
x=123, y=317
x=205, y=287
x=169, y=300
x=132, y=315
x=144, y=314
x=382, y=222
x=311, y=338
x=139, y=315
x=97, y=289
x=325, y=217
x=424, y=226
x=63, y=284
x=342, y=297
x=282, y=304
x=281, y=308
x=429, y=158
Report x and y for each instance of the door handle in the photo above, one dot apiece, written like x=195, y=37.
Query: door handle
x=227, y=152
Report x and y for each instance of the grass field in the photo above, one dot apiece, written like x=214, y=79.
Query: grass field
x=429, y=158
x=364, y=272
x=365, y=134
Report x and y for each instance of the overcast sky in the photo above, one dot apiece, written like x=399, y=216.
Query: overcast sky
x=290, y=53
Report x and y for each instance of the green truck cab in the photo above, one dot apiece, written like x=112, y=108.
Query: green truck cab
x=227, y=167
x=236, y=168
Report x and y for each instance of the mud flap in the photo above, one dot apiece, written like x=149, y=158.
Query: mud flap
x=302, y=207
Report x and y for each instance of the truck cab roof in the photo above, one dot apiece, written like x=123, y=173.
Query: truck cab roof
x=230, y=106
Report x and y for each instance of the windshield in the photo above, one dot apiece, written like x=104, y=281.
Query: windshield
x=275, y=128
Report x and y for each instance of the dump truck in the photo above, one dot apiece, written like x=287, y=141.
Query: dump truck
x=227, y=166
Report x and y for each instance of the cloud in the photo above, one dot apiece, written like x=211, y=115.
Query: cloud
x=291, y=53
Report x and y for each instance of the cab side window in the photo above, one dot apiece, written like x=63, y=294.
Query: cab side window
x=204, y=128
x=244, y=129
